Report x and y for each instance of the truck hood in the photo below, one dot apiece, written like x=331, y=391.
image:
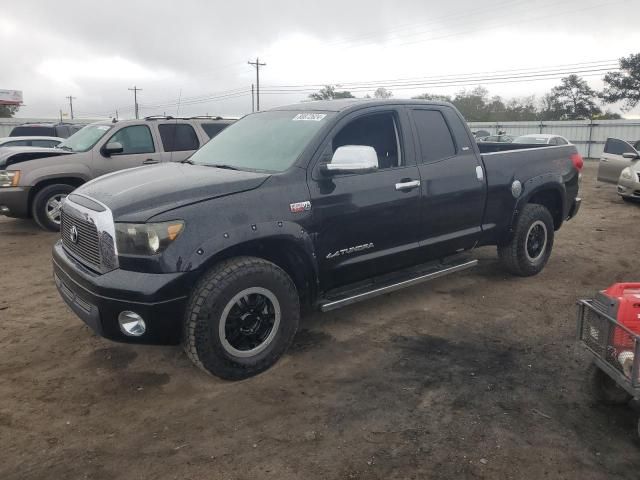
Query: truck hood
x=12, y=155
x=137, y=194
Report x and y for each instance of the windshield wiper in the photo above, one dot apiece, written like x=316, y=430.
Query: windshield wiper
x=190, y=162
x=223, y=165
x=65, y=148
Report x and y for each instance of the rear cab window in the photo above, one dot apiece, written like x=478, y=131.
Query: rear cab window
x=434, y=137
x=178, y=137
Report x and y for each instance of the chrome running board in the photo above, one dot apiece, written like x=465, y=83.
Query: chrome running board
x=373, y=290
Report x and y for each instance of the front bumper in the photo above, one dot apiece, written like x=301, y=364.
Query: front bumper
x=14, y=202
x=98, y=299
x=629, y=188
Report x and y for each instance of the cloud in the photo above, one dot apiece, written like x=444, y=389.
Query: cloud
x=191, y=48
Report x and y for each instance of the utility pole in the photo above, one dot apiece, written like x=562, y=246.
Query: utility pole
x=135, y=91
x=71, y=99
x=253, y=107
x=257, y=64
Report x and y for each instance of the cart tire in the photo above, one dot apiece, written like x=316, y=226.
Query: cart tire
x=604, y=389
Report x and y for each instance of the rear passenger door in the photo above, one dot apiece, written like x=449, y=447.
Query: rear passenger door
x=612, y=162
x=452, y=182
x=179, y=141
x=138, y=149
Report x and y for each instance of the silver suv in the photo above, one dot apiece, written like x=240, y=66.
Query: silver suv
x=35, y=181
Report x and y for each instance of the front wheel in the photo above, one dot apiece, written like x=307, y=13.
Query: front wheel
x=241, y=318
x=530, y=247
x=46, y=205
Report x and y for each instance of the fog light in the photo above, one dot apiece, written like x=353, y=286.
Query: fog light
x=4, y=210
x=131, y=324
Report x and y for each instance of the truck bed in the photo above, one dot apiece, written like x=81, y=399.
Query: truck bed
x=533, y=164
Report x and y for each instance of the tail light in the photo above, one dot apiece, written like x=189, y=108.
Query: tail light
x=576, y=158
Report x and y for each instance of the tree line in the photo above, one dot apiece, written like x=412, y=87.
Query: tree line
x=572, y=99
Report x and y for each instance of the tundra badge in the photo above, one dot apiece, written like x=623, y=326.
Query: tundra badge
x=300, y=207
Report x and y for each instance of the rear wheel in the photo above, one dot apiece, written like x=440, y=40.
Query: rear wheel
x=530, y=247
x=45, y=208
x=241, y=318
x=604, y=389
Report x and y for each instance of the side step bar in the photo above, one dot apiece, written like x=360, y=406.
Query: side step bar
x=353, y=297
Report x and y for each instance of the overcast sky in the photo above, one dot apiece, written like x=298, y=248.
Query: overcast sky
x=198, y=50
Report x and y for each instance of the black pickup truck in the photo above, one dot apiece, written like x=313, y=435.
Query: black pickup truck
x=316, y=205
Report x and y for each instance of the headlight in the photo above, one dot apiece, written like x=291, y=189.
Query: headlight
x=146, y=238
x=9, y=178
x=626, y=174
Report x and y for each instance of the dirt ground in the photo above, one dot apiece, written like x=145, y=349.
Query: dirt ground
x=472, y=376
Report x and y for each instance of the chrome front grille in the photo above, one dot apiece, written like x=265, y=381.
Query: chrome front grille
x=88, y=234
x=86, y=246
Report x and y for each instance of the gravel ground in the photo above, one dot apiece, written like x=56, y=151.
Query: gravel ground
x=472, y=376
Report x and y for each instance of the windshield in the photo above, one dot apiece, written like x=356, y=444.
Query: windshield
x=270, y=141
x=85, y=138
x=531, y=140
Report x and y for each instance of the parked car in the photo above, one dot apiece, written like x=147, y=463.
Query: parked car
x=629, y=181
x=497, y=139
x=45, y=142
x=616, y=156
x=319, y=205
x=34, y=181
x=61, y=130
x=542, y=138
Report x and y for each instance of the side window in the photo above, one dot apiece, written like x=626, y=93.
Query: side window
x=376, y=130
x=134, y=139
x=17, y=143
x=434, y=136
x=553, y=141
x=44, y=143
x=561, y=141
x=617, y=147
x=212, y=129
x=178, y=137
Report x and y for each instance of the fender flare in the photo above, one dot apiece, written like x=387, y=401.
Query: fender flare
x=214, y=247
x=547, y=181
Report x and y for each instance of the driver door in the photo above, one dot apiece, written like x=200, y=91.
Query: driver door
x=138, y=149
x=367, y=223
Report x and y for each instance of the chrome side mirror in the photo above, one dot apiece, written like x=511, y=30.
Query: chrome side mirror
x=352, y=159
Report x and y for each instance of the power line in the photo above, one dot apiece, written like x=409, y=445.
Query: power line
x=135, y=91
x=257, y=64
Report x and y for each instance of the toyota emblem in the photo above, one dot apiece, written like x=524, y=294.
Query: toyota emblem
x=73, y=234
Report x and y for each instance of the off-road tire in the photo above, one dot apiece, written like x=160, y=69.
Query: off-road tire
x=201, y=336
x=39, y=205
x=513, y=255
x=604, y=389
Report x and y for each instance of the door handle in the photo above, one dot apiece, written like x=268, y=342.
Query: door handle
x=408, y=185
x=150, y=161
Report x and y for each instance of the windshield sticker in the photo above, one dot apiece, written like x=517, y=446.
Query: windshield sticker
x=103, y=127
x=309, y=117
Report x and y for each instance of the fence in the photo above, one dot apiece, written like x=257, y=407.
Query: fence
x=588, y=136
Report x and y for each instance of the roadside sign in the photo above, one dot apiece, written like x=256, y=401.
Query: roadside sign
x=10, y=97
